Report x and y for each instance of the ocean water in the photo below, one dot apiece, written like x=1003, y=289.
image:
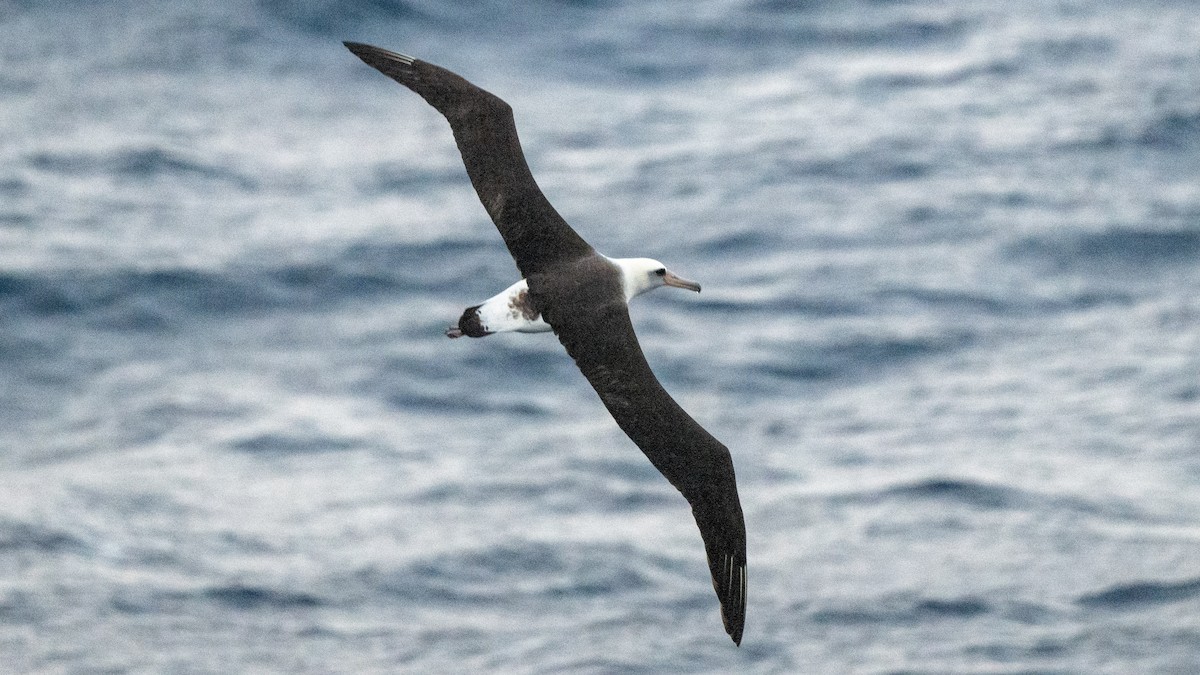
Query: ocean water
x=950, y=332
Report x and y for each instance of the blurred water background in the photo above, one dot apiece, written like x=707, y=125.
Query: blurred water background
x=950, y=331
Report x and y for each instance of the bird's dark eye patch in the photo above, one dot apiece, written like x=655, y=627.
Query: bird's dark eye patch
x=662, y=271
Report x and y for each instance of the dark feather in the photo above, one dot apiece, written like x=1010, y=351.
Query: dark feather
x=483, y=127
x=592, y=322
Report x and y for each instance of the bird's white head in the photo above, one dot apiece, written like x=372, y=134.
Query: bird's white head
x=644, y=274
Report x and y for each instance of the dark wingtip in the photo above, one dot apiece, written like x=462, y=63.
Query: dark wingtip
x=378, y=57
x=734, y=626
x=362, y=51
x=732, y=597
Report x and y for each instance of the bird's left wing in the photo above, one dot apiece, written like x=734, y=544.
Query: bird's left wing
x=486, y=134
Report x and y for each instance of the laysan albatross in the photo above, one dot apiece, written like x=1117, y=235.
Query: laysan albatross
x=582, y=295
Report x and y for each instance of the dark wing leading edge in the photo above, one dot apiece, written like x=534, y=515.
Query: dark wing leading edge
x=604, y=346
x=483, y=126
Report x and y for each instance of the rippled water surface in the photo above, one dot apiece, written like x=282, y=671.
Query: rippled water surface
x=950, y=332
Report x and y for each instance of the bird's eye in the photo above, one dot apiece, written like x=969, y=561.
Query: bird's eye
x=662, y=271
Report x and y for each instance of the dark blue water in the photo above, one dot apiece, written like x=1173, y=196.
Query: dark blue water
x=950, y=332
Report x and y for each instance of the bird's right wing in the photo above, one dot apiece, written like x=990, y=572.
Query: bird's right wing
x=604, y=346
x=483, y=127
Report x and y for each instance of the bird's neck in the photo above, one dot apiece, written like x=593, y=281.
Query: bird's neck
x=634, y=280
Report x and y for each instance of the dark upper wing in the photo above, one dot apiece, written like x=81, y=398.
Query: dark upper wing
x=486, y=135
x=604, y=346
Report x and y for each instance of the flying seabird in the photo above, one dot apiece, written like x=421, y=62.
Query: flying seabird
x=581, y=295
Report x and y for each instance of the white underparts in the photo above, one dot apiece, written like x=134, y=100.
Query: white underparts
x=510, y=310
